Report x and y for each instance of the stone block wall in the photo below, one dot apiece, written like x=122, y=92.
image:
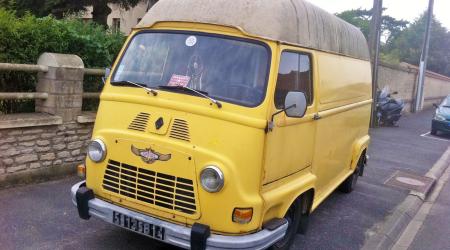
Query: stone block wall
x=30, y=148
x=403, y=79
x=52, y=141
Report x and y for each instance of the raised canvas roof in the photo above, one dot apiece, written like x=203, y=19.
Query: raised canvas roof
x=292, y=21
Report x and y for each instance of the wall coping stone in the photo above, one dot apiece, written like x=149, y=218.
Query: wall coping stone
x=60, y=60
x=87, y=117
x=28, y=120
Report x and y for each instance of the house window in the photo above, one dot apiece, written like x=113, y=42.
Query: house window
x=116, y=25
x=294, y=74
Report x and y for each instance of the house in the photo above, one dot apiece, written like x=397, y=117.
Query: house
x=121, y=19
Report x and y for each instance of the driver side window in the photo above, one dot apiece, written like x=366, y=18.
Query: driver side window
x=294, y=74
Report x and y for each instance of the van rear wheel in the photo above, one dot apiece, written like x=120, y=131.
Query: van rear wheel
x=349, y=184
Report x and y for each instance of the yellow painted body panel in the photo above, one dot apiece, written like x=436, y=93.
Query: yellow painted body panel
x=264, y=171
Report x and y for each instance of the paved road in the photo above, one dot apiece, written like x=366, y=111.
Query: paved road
x=41, y=216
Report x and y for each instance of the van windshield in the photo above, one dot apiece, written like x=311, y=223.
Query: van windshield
x=227, y=69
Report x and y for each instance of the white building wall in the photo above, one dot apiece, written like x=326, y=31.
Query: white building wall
x=128, y=18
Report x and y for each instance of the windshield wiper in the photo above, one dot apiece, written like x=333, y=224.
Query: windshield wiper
x=198, y=92
x=140, y=85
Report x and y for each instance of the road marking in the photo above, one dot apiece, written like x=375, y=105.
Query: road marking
x=428, y=135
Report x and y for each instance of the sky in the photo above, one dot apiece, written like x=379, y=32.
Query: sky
x=399, y=9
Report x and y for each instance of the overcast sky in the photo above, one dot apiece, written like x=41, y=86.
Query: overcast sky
x=400, y=9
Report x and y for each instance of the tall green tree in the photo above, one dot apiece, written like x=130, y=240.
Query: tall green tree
x=390, y=26
x=407, y=47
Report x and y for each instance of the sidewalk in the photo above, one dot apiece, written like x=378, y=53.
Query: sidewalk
x=435, y=231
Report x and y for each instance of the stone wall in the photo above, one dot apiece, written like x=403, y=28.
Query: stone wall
x=403, y=79
x=52, y=141
x=31, y=148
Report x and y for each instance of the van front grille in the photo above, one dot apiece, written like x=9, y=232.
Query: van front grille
x=148, y=186
x=139, y=123
x=180, y=130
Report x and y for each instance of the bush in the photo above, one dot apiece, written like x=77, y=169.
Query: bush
x=23, y=40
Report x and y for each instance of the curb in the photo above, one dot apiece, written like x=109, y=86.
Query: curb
x=391, y=229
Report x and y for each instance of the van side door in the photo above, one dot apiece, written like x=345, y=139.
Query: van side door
x=289, y=146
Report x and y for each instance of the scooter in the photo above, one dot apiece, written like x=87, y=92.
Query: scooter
x=388, y=109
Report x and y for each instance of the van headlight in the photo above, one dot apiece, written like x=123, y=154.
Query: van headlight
x=97, y=150
x=212, y=179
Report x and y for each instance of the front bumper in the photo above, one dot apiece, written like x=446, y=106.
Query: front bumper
x=180, y=235
x=443, y=126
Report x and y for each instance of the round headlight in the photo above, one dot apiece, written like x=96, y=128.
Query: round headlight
x=97, y=150
x=212, y=179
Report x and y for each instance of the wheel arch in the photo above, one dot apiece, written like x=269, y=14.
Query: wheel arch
x=359, y=148
x=279, y=208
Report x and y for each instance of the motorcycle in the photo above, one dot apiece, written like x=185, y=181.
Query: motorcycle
x=388, y=109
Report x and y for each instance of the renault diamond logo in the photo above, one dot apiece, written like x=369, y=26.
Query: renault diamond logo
x=149, y=155
x=159, y=123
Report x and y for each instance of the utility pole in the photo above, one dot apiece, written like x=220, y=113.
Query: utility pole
x=374, y=46
x=423, y=59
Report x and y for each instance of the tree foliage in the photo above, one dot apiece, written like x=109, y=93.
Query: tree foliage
x=407, y=47
x=390, y=26
x=59, y=8
x=23, y=40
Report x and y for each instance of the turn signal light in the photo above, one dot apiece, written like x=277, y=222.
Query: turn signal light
x=81, y=171
x=242, y=215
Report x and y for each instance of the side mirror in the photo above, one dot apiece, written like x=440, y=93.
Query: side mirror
x=435, y=105
x=107, y=73
x=295, y=104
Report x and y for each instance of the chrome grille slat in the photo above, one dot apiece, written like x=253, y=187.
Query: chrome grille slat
x=159, y=189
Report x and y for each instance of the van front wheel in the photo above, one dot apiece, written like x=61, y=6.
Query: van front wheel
x=294, y=217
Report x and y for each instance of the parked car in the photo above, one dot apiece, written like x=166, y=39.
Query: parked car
x=441, y=119
x=224, y=124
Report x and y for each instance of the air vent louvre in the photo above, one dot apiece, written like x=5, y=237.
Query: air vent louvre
x=180, y=130
x=139, y=123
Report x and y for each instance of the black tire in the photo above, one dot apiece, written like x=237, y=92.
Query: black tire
x=349, y=184
x=433, y=131
x=295, y=218
x=304, y=218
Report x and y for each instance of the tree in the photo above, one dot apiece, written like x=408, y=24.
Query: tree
x=407, y=46
x=59, y=8
x=390, y=26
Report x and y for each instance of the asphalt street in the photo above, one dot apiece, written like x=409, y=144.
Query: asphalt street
x=41, y=216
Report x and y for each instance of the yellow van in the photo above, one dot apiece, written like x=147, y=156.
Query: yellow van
x=224, y=124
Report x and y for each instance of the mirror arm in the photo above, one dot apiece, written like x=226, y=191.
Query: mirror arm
x=270, y=123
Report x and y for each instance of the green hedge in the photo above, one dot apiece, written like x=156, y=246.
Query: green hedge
x=23, y=39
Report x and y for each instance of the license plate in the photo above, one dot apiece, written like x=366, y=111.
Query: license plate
x=136, y=225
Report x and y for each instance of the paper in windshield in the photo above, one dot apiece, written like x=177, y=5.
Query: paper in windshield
x=179, y=80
